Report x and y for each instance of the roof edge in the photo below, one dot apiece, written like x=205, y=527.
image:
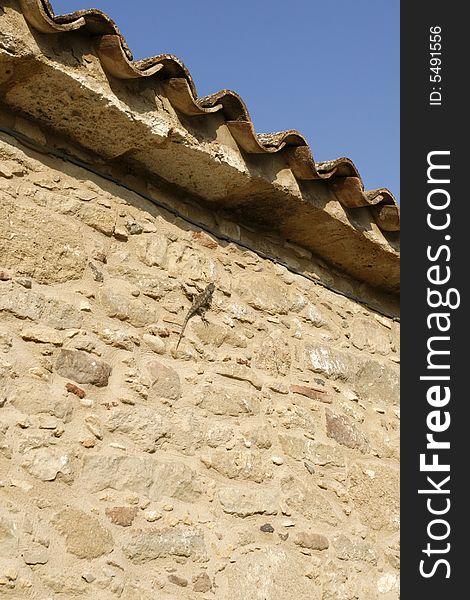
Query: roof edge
x=116, y=59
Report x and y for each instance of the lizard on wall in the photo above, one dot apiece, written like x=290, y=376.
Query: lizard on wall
x=200, y=304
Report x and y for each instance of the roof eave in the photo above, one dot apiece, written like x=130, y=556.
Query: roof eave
x=61, y=82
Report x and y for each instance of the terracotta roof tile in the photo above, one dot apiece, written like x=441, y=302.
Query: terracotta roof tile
x=117, y=60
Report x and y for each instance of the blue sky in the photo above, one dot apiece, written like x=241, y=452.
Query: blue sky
x=330, y=70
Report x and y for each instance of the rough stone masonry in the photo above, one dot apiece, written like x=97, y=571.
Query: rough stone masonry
x=259, y=462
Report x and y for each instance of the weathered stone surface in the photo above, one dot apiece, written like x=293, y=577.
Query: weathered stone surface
x=122, y=515
x=149, y=283
x=153, y=251
x=204, y=239
x=261, y=437
x=37, y=556
x=48, y=422
x=62, y=316
x=216, y=335
x=163, y=381
x=312, y=541
x=64, y=584
x=241, y=312
x=268, y=574
x=309, y=501
x=46, y=463
x=209, y=333
x=243, y=502
x=330, y=362
x=388, y=583
x=85, y=195
x=313, y=314
x=326, y=455
x=240, y=464
x=146, y=427
x=312, y=393
x=118, y=472
x=6, y=341
x=134, y=228
x=6, y=372
x=202, y=583
x=126, y=308
x=97, y=276
x=342, y=582
x=395, y=337
x=9, y=541
x=177, y=580
x=33, y=397
x=295, y=446
x=142, y=475
x=25, y=282
x=30, y=305
x=118, y=338
x=134, y=590
x=190, y=432
x=378, y=382
x=121, y=232
x=21, y=304
x=370, y=336
x=74, y=389
x=45, y=335
x=310, y=468
x=354, y=549
x=46, y=258
x=93, y=424
x=240, y=373
x=5, y=447
x=230, y=401
x=175, y=480
x=101, y=219
x=264, y=294
x=84, y=535
x=374, y=490
x=273, y=354
x=82, y=367
x=297, y=417
x=8, y=168
x=155, y=343
x=144, y=546
x=384, y=442
x=342, y=429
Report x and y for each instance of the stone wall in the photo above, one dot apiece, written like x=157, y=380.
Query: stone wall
x=259, y=461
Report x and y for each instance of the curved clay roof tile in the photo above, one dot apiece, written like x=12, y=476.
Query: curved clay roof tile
x=116, y=59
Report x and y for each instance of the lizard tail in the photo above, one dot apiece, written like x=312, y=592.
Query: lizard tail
x=182, y=332
x=178, y=343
